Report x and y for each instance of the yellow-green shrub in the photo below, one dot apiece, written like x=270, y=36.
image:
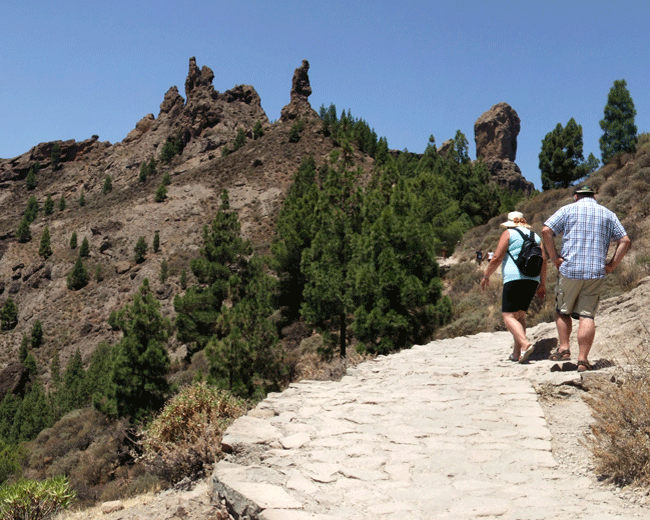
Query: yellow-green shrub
x=33, y=500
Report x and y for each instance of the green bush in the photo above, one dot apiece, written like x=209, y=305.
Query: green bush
x=32, y=500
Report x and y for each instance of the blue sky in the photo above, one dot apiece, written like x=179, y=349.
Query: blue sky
x=411, y=69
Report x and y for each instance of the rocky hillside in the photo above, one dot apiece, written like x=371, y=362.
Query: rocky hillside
x=256, y=176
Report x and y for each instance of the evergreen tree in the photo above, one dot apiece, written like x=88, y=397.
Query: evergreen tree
x=23, y=350
x=156, y=242
x=166, y=179
x=78, y=277
x=37, y=334
x=183, y=279
x=461, y=147
x=48, y=207
x=45, y=249
x=294, y=234
x=161, y=193
x=108, y=185
x=140, y=362
x=561, y=160
x=55, y=369
x=23, y=232
x=619, y=130
x=397, y=290
x=164, y=271
x=74, y=392
x=31, y=211
x=325, y=263
x=9, y=314
x=144, y=171
x=84, y=250
x=55, y=155
x=30, y=180
x=73, y=240
x=99, y=273
x=33, y=415
x=240, y=139
x=140, y=250
x=258, y=131
x=62, y=203
x=82, y=199
x=245, y=356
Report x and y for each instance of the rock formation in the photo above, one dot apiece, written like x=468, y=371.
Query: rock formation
x=495, y=134
x=300, y=91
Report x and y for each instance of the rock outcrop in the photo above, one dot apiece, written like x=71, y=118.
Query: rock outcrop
x=495, y=134
x=300, y=91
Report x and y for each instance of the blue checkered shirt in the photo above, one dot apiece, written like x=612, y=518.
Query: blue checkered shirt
x=587, y=228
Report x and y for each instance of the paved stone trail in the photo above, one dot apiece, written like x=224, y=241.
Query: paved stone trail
x=448, y=430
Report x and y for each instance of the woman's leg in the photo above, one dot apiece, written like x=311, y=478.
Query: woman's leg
x=515, y=322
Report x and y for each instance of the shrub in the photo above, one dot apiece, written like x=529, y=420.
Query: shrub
x=187, y=433
x=32, y=500
x=621, y=428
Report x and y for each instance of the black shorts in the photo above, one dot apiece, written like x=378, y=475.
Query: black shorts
x=517, y=295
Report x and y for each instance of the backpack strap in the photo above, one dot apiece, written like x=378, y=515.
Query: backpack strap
x=524, y=237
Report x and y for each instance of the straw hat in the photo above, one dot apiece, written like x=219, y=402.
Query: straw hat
x=515, y=219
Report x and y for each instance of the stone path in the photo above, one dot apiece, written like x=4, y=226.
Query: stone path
x=448, y=430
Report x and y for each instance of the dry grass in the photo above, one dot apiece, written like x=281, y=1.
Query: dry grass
x=620, y=434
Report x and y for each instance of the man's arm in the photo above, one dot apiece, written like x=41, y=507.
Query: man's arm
x=549, y=245
x=622, y=246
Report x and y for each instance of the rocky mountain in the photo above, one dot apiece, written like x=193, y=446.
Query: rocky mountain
x=256, y=176
x=256, y=172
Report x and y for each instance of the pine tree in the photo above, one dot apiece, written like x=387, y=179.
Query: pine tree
x=108, y=185
x=36, y=339
x=9, y=315
x=82, y=199
x=240, y=139
x=166, y=179
x=30, y=180
x=138, y=384
x=561, y=161
x=74, y=392
x=294, y=234
x=78, y=277
x=156, y=242
x=48, y=207
x=84, y=250
x=219, y=271
x=161, y=193
x=23, y=350
x=183, y=279
x=55, y=155
x=23, y=233
x=325, y=264
x=55, y=368
x=258, y=131
x=164, y=271
x=140, y=250
x=45, y=249
x=73, y=240
x=619, y=130
x=144, y=171
x=62, y=203
x=31, y=211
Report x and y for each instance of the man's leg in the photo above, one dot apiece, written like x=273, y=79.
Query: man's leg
x=586, y=334
x=564, y=326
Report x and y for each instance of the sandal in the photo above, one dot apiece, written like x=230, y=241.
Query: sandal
x=560, y=355
x=583, y=366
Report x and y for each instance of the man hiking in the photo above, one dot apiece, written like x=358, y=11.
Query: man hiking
x=587, y=228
